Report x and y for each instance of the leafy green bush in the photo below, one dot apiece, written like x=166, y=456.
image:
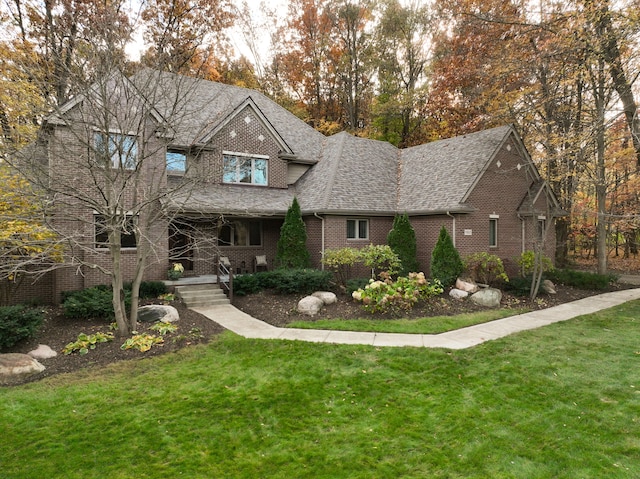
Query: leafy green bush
x=526, y=262
x=379, y=258
x=485, y=268
x=356, y=283
x=398, y=296
x=95, y=302
x=402, y=240
x=18, y=323
x=581, y=279
x=446, y=264
x=340, y=262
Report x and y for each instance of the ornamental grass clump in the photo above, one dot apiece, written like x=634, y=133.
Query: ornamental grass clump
x=396, y=297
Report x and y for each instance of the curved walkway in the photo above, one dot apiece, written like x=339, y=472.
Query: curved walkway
x=244, y=325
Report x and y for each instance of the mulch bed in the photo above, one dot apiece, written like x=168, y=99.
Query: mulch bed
x=278, y=310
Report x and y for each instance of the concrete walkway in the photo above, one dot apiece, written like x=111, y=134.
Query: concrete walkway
x=244, y=325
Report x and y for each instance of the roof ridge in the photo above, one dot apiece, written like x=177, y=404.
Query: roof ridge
x=342, y=136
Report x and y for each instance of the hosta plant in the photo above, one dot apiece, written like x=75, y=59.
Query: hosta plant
x=85, y=342
x=142, y=342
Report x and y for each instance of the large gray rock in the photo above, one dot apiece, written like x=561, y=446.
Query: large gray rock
x=456, y=293
x=548, y=287
x=310, y=305
x=468, y=286
x=42, y=352
x=14, y=366
x=327, y=297
x=158, y=312
x=489, y=297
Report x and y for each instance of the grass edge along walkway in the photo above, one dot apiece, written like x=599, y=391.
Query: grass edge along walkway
x=246, y=326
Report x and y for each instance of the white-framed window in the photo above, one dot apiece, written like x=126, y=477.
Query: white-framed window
x=245, y=169
x=358, y=229
x=116, y=149
x=127, y=232
x=240, y=233
x=176, y=161
x=542, y=227
x=493, y=231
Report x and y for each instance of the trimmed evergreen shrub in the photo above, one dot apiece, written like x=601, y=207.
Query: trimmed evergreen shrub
x=95, y=302
x=152, y=289
x=446, y=264
x=402, y=240
x=580, y=279
x=300, y=281
x=292, y=245
x=283, y=281
x=356, y=283
x=18, y=323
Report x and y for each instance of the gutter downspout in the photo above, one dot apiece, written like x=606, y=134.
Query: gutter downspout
x=522, y=222
x=322, y=239
x=453, y=226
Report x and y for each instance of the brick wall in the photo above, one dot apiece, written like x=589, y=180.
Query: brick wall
x=245, y=133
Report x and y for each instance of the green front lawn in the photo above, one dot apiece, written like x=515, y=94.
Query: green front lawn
x=557, y=402
x=429, y=325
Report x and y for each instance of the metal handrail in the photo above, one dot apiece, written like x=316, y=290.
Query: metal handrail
x=226, y=286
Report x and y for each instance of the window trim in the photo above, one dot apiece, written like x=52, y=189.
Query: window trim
x=246, y=156
x=175, y=171
x=103, y=245
x=493, y=231
x=357, y=222
x=116, y=157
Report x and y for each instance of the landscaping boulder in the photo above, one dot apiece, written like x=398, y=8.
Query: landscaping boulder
x=327, y=297
x=14, y=366
x=310, y=305
x=158, y=312
x=456, y=293
x=489, y=297
x=548, y=287
x=42, y=352
x=468, y=286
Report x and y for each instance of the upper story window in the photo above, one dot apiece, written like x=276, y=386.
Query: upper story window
x=358, y=229
x=176, y=161
x=121, y=151
x=245, y=169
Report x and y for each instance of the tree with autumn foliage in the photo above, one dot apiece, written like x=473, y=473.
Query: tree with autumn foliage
x=402, y=38
x=28, y=248
x=187, y=36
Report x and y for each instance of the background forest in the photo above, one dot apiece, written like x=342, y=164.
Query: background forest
x=406, y=72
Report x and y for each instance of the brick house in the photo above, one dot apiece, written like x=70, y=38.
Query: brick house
x=247, y=158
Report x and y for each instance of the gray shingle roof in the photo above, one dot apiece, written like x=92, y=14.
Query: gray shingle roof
x=437, y=176
x=193, y=107
x=353, y=175
x=233, y=200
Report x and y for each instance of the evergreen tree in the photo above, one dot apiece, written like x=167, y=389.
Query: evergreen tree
x=446, y=264
x=292, y=246
x=402, y=240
